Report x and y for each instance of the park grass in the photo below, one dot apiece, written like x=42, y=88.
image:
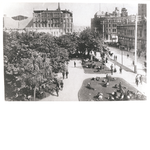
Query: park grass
x=91, y=70
x=86, y=94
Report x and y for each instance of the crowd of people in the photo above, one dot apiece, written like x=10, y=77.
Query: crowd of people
x=121, y=92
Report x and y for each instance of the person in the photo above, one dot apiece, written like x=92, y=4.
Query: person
x=127, y=55
x=99, y=96
x=106, y=59
x=89, y=86
x=74, y=64
x=67, y=74
x=133, y=62
x=120, y=69
x=116, y=58
x=63, y=74
x=141, y=79
x=137, y=80
x=98, y=68
x=115, y=70
x=111, y=69
x=61, y=84
x=56, y=82
x=57, y=91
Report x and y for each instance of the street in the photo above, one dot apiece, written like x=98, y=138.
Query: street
x=128, y=62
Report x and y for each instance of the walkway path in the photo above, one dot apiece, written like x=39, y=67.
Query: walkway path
x=76, y=77
x=128, y=62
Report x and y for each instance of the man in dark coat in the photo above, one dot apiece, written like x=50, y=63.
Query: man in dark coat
x=67, y=74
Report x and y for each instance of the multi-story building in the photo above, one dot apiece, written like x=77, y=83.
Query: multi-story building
x=126, y=32
x=56, y=22
x=106, y=23
x=142, y=10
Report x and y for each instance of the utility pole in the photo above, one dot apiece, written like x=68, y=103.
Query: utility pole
x=103, y=30
x=135, y=56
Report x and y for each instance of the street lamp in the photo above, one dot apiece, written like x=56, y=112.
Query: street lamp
x=135, y=56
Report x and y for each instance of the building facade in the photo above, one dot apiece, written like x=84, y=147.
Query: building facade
x=57, y=22
x=142, y=10
x=126, y=31
x=126, y=36
x=106, y=23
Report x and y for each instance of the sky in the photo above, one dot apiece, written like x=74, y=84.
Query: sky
x=82, y=12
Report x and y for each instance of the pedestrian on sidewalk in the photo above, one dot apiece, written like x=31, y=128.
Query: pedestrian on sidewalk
x=106, y=59
x=133, y=62
x=115, y=70
x=57, y=91
x=111, y=69
x=61, y=84
x=141, y=79
x=137, y=80
x=74, y=64
x=63, y=74
x=56, y=82
x=67, y=74
x=127, y=55
x=120, y=69
x=116, y=58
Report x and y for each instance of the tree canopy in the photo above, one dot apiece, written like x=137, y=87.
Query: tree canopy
x=32, y=58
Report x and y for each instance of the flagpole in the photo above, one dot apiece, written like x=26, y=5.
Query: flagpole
x=135, y=55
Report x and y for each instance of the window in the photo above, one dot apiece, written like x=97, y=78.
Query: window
x=114, y=30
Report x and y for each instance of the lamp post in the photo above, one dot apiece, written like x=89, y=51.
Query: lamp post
x=135, y=55
x=103, y=30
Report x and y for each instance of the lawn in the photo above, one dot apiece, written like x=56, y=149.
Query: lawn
x=87, y=66
x=87, y=94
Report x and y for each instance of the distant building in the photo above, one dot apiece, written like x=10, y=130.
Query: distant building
x=106, y=23
x=126, y=31
x=57, y=22
x=142, y=10
x=126, y=35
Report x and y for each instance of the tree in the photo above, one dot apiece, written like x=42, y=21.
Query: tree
x=29, y=62
x=90, y=41
x=68, y=42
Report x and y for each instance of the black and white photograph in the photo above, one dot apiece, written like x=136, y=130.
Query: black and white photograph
x=62, y=52
x=74, y=75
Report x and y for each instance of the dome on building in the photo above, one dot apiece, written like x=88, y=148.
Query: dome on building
x=100, y=14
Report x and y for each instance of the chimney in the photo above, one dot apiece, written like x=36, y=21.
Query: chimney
x=58, y=6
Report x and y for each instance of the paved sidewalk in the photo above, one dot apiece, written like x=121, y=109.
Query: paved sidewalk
x=71, y=85
x=128, y=61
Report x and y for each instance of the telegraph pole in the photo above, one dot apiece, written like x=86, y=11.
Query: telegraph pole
x=135, y=56
x=103, y=30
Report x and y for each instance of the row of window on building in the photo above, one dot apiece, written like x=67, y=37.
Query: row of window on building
x=52, y=20
x=52, y=25
x=50, y=15
x=131, y=33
